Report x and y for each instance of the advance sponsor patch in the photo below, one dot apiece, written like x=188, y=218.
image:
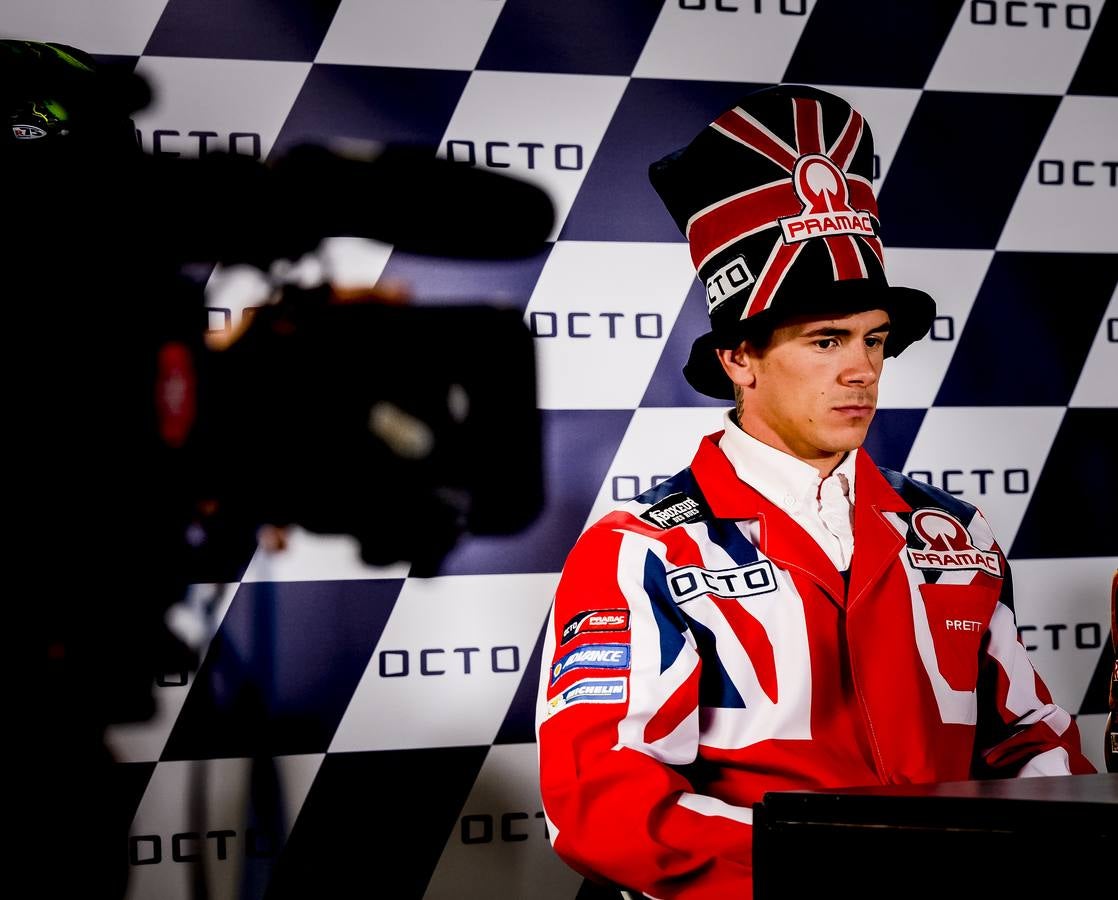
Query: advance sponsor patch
x=948, y=545
x=594, y=656
x=589, y=690
x=688, y=582
x=675, y=509
x=595, y=620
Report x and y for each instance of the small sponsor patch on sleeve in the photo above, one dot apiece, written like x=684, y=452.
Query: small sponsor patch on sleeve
x=589, y=690
x=595, y=620
x=592, y=656
x=676, y=509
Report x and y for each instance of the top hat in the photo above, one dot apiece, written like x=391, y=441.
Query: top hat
x=776, y=200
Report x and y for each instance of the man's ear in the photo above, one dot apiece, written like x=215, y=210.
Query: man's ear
x=738, y=364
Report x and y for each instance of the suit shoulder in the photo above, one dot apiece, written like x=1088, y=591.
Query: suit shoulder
x=921, y=495
x=673, y=502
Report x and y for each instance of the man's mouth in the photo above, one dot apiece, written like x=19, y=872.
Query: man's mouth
x=855, y=410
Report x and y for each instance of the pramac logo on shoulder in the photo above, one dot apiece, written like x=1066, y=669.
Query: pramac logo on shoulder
x=825, y=194
x=948, y=545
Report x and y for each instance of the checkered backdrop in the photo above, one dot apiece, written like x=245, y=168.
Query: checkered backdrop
x=352, y=725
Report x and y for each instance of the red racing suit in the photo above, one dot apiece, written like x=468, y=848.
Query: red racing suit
x=703, y=650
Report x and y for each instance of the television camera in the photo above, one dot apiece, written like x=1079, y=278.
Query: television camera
x=143, y=459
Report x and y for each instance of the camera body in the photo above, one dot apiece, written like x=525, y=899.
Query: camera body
x=396, y=424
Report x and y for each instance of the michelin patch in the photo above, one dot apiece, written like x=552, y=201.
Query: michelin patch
x=676, y=509
x=589, y=690
x=592, y=656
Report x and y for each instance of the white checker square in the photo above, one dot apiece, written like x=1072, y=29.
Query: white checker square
x=699, y=41
x=953, y=279
x=542, y=127
x=517, y=859
x=144, y=741
x=888, y=111
x=1092, y=731
x=109, y=27
x=244, y=103
x=991, y=457
x=207, y=798
x=448, y=663
x=658, y=443
x=1063, y=617
x=231, y=290
x=317, y=557
x=1018, y=48
x=601, y=313
x=353, y=262
x=1055, y=213
x=417, y=34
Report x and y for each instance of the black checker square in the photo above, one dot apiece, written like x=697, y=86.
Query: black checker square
x=881, y=43
x=375, y=823
x=502, y=282
x=891, y=436
x=586, y=37
x=519, y=726
x=667, y=386
x=1096, y=699
x=655, y=117
x=1072, y=510
x=290, y=30
x=959, y=166
x=1098, y=73
x=118, y=61
x=578, y=447
x=373, y=103
x=1030, y=330
x=279, y=674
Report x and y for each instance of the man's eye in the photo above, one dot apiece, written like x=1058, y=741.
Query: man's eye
x=826, y=343
x=874, y=342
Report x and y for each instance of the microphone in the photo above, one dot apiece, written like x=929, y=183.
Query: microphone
x=406, y=196
x=231, y=209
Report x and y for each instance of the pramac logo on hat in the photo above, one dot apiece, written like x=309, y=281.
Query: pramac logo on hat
x=825, y=194
x=948, y=545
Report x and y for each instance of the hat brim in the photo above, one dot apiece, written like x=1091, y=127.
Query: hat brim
x=911, y=313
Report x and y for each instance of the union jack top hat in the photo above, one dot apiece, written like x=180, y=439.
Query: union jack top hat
x=776, y=200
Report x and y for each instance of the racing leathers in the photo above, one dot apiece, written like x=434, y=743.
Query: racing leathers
x=702, y=650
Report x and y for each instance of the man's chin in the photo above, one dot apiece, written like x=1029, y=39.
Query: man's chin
x=847, y=439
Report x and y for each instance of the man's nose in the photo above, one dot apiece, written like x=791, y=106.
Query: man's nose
x=861, y=365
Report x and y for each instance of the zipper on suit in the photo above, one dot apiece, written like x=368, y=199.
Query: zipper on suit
x=863, y=707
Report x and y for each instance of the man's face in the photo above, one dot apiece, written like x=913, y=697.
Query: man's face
x=812, y=392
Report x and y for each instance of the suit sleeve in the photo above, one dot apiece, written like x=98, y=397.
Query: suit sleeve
x=617, y=724
x=1021, y=732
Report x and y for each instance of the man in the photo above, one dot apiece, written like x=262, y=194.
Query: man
x=782, y=614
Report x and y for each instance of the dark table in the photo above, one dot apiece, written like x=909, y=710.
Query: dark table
x=1017, y=837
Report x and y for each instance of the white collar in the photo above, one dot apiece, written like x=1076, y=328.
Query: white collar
x=779, y=477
